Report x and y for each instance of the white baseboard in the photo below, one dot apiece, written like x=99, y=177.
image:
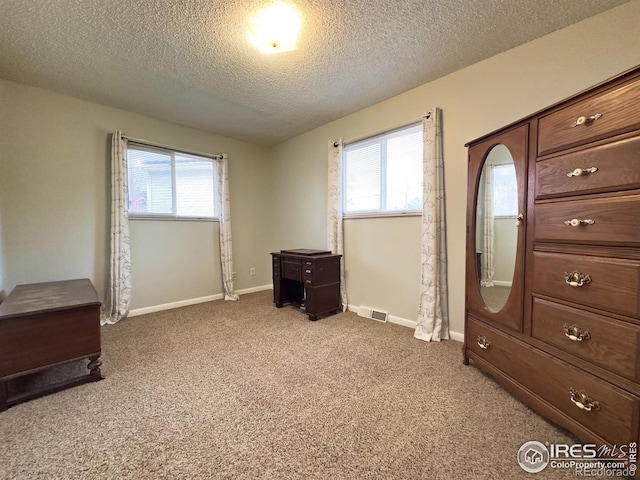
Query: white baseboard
x=194, y=301
x=259, y=288
x=458, y=337
x=501, y=283
x=172, y=305
x=412, y=324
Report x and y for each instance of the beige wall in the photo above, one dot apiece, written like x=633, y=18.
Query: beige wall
x=54, y=186
x=54, y=159
x=182, y=262
x=382, y=255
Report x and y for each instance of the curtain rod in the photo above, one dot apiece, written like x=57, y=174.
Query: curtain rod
x=383, y=131
x=147, y=143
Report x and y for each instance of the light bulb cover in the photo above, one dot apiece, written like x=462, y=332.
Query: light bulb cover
x=275, y=29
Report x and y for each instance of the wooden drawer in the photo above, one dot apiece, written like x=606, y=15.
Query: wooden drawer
x=307, y=274
x=616, y=221
x=553, y=380
x=292, y=269
x=613, y=287
x=617, y=164
x=323, y=272
x=619, y=110
x=606, y=342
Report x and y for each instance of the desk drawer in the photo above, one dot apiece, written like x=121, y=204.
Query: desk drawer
x=609, y=221
x=292, y=269
x=618, y=111
x=617, y=168
x=613, y=284
x=601, y=340
x=554, y=380
x=307, y=274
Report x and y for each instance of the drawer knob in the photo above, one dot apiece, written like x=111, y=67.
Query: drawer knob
x=583, y=401
x=576, y=222
x=586, y=120
x=582, y=171
x=575, y=333
x=483, y=343
x=307, y=271
x=576, y=279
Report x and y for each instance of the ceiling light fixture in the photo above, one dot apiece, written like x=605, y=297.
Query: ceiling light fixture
x=275, y=29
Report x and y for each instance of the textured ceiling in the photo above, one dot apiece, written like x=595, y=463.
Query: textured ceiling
x=190, y=62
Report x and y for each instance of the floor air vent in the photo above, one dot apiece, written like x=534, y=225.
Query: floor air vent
x=377, y=315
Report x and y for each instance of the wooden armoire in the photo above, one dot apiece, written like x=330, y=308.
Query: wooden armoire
x=559, y=326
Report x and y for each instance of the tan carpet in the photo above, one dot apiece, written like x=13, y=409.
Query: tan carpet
x=242, y=390
x=495, y=297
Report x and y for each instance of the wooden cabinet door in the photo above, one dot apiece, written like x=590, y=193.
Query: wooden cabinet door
x=495, y=300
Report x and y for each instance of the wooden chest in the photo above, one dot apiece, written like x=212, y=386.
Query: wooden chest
x=48, y=324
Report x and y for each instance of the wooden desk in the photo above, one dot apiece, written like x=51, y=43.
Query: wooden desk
x=47, y=324
x=314, y=272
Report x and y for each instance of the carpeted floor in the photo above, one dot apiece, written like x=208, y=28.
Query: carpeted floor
x=495, y=297
x=242, y=390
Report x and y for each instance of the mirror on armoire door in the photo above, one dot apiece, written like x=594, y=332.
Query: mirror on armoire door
x=495, y=237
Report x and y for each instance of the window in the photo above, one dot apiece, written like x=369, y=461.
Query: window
x=505, y=190
x=169, y=184
x=383, y=174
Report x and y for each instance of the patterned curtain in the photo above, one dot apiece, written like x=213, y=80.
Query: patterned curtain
x=433, y=314
x=226, y=255
x=116, y=304
x=487, y=234
x=335, y=241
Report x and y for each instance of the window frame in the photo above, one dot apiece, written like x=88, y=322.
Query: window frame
x=383, y=175
x=173, y=152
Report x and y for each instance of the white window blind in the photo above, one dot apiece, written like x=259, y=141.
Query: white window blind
x=505, y=190
x=169, y=184
x=383, y=174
